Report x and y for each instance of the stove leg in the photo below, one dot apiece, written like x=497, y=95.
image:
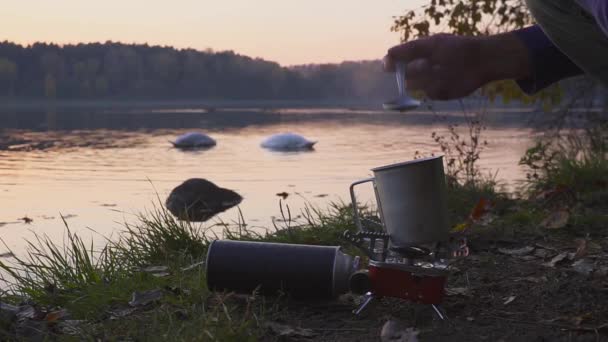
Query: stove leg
x=367, y=298
x=439, y=312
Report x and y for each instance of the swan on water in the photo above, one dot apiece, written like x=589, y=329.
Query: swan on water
x=193, y=140
x=287, y=142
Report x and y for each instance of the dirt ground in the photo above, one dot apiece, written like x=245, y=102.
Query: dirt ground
x=526, y=290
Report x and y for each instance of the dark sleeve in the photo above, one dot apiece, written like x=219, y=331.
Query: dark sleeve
x=548, y=64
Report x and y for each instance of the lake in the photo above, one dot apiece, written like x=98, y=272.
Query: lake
x=99, y=168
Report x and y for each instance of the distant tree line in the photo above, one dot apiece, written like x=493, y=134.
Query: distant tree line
x=128, y=71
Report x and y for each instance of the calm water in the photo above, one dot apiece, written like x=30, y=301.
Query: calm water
x=111, y=165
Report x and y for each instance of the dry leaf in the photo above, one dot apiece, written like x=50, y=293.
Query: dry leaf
x=145, y=297
x=482, y=207
x=556, y=259
x=509, y=299
x=120, y=313
x=157, y=271
x=460, y=227
x=583, y=266
x=71, y=326
x=517, y=251
x=394, y=331
x=28, y=311
x=457, y=291
x=56, y=315
x=536, y=280
x=154, y=269
x=543, y=253
x=557, y=219
x=284, y=330
x=581, y=248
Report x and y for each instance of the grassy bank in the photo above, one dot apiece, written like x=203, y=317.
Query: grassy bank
x=150, y=283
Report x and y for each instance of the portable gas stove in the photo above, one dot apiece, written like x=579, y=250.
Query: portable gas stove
x=416, y=274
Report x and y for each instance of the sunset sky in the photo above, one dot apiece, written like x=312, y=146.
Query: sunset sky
x=287, y=31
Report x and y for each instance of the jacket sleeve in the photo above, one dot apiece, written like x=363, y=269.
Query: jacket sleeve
x=547, y=63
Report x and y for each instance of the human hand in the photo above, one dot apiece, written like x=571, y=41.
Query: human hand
x=447, y=67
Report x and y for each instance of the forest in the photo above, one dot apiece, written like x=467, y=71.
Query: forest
x=128, y=71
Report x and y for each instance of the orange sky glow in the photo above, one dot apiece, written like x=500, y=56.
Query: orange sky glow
x=288, y=32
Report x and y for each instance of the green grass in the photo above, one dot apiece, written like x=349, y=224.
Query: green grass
x=91, y=284
x=94, y=284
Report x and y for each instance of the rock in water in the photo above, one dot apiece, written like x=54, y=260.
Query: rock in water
x=198, y=199
x=193, y=140
x=288, y=142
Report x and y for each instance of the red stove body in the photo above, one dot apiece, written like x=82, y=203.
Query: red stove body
x=401, y=281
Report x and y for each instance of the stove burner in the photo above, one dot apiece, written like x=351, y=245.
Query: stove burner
x=414, y=273
x=411, y=252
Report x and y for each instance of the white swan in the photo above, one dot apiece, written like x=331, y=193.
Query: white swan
x=287, y=142
x=193, y=140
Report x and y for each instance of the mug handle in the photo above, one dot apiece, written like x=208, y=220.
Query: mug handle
x=353, y=199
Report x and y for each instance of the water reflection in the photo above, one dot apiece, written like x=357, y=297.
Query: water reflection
x=104, y=166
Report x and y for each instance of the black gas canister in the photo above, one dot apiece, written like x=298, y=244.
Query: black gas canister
x=302, y=271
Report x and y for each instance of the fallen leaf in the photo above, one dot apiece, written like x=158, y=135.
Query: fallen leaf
x=56, y=315
x=584, y=267
x=557, y=219
x=394, y=331
x=482, y=207
x=457, y=291
x=509, y=299
x=284, y=330
x=155, y=269
x=460, y=227
x=543, y=253
x=120, y=313
x=536, y=280
x=581, y=248
x=517, y=251
x=26, y=311
x=556, y=259
x=71, y=326
x=146, y=297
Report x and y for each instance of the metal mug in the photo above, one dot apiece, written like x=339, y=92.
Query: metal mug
x=411, y=199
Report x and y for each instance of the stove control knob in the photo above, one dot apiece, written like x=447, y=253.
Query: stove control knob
x=359, y=282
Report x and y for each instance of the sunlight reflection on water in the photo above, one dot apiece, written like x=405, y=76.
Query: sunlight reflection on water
x=103, y=187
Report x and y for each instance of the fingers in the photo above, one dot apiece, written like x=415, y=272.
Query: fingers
x=418, y=74
x=420, y=48
x=423, y=76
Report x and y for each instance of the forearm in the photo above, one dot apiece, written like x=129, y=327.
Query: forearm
x=504, y=56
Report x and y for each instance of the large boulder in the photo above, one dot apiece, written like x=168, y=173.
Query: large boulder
x=198, y=200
